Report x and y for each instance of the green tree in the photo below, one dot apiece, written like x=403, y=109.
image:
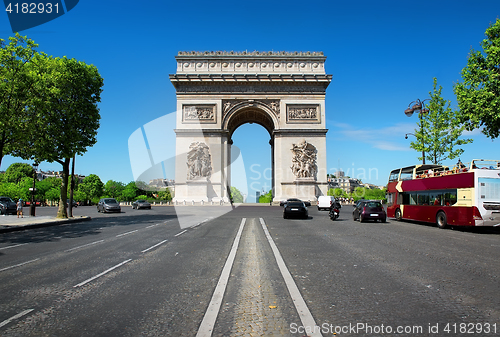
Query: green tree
x=114, y=189
x=10, y=190
x=130, y=191
x=478, y=96
x=266, y=198
x=63, y=114
x=236, y=196
x=165, y=195
x=17, y=171
x=91, y=187
x=439, y=130
x=43, y=187
x=53, y=194
x=15, y=90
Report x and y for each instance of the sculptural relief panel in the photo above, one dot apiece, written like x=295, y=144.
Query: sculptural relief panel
x=303, y=113
x=304, y=160
x=199, y=161
x=199, y=113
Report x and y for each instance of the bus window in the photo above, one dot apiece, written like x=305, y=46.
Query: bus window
x=405, y=198
x=413, y=199
x=450, y=198
x=394, y=176
x=406, y=176
x=423, y=198
x=390, y=199
x=435, y=198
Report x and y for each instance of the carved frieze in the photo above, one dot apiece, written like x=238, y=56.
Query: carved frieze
x=271, y=104
x=199, y=113
x=199, y=161
x=304, y=160
x=235, y=88
x=303, y=113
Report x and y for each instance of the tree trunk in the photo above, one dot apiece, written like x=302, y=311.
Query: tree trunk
x=62, y=211
x=70, y=204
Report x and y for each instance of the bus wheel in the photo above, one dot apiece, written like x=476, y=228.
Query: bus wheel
x=441, y=220
x=398, y=215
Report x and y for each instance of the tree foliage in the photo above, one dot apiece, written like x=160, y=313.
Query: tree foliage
x=62, y=114
x=439, y=130
x=266, y=198
x=478, y=95
x=15, y=90
x=113, y=189
x=236, y=196
x=17, y=171
x=91, y=187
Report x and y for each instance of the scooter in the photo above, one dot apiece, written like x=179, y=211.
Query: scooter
x=334, y=213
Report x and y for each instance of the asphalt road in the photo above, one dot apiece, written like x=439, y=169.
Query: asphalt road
x=248, y=272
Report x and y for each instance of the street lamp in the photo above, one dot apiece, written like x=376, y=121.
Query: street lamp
x=418, y=107
x=33, y=190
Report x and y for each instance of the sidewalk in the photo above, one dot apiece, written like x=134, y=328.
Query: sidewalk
x=10, y=223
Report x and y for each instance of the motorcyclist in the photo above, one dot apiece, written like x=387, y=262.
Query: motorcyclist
x=335, y=206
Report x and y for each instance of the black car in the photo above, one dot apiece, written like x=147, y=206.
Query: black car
x=141, y=204
x=295, y=209
x=284, y=202
x=108, y=205
x=7, y=206
x=369, y=210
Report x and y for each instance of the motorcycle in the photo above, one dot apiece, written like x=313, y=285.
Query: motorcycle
x=334, y=213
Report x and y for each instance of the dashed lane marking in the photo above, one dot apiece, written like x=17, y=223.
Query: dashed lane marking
x=152, y=247
x=101, y=274
x=19, y=315
x=19, y=265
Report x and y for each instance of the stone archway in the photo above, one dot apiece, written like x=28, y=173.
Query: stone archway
x=219, y=91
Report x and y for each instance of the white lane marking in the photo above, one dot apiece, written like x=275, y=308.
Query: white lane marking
x=207, y=324
x=21, y=244
x=201, y=222
x=184, y=231
x=19, y=315
x=101, y=274
x=19, y=265
x=153, y=225
x=301, y=306
x=127, y=233
x=82, y=246
x=145, y=250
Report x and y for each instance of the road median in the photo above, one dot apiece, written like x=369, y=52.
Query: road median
x=13, y=223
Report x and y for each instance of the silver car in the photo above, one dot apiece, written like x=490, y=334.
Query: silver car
x=141, y=204
x=108, y=205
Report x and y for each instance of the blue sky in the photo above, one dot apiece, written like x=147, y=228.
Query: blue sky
x=382, y=55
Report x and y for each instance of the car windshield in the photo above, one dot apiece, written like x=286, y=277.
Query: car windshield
x=110, y=201
x=141, y=200
x=295, y=204
x=373, y=204
x=6, y=199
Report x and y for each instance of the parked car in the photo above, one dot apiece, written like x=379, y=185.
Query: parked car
x=108, y=205
x=325, y=202
x=7, y=206
x=284, y=202
x=141, y=204
x=295, y=209
x=74, y=203
x=369, y=210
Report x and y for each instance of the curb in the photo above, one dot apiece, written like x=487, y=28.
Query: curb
x=49, y=223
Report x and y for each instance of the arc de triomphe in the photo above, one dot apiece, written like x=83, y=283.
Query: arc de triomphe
x=219, y=91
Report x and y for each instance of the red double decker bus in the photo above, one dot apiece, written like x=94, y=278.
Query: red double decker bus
x=466, y=195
